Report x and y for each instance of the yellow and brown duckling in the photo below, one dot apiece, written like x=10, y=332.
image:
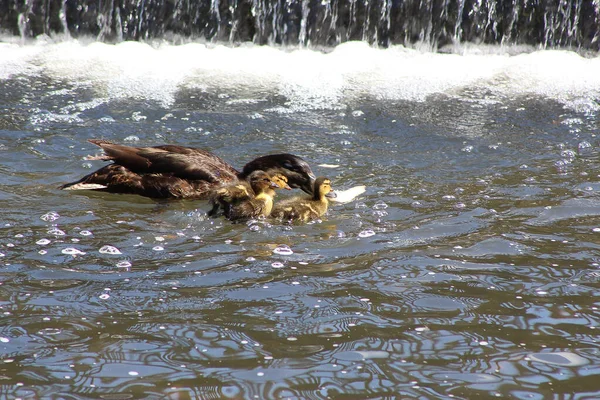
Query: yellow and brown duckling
x=171, y=171
x=245, y=200
x=306, y=208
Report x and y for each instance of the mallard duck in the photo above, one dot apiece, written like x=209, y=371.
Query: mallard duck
x=306, y=208
x=251, y=199
x=171, y=171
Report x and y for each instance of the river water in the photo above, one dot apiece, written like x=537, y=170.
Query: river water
x=469, y=267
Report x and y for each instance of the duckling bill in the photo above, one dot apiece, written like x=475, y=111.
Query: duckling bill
x=306, y=208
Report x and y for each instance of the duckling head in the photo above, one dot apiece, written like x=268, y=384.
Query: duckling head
x=281, y=181
x=294, y=168
x=323, y=188
x=261, y=182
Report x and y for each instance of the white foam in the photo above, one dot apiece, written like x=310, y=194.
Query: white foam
x=308, y=79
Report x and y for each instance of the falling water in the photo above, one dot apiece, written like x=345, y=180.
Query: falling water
x=569, y=23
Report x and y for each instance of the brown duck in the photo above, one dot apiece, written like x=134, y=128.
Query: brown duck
x=171, y=171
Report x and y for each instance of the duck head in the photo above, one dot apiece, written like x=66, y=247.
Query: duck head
x=323, y=188
x=295, y=169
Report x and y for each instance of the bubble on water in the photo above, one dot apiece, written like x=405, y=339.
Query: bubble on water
x=123, y=264
x=449, y=197
x=133, y=373
x=584, y=147
x=416, y=204
x=107, y=249
x=250, y=259
x=138, y=116
x=467, y=149
x=159, y=239
x=158, y=248
x=459, y=206
x=43, y=242
x=87, y=165
x=357, y=113
x=380, y=205
x=283, y=250
x=366, y=233
x=72, y=251
x=255, y=228
x=131, y=138
x=4, y=340
x=596, y=230
x=104, y=296
x=85, y=233
x=19, y=235
x=523, y=166
x=42, y=252
x=360, y=204
x=277, y=265
x=56, y=232
x=568, y=154
x=50, y=216
x=50, y=331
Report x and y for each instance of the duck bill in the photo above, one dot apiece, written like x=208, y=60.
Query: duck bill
x=287, y=187
x=331, y=195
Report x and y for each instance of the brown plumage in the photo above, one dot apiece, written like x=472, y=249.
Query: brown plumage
x=306, y=208
x=244, y=200
x=171, y=171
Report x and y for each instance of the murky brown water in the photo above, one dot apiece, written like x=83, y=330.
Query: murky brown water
x=469, y=268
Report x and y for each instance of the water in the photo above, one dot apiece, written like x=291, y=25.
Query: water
x=432, y=23
x=469, y=267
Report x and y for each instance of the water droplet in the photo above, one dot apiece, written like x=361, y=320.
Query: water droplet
x=283, y=250
x=50, y=216
x=366, y=233
x=43, y=242
x=107, y=249
x=72, y=251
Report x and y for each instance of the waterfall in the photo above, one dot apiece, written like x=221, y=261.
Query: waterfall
x=544, y=23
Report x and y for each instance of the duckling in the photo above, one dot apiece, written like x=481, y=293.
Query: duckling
x=246, y=200
x=170, y=171
x=306, y=208
x=238, y=192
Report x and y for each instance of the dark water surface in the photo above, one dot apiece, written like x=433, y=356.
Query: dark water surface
x=469, y=268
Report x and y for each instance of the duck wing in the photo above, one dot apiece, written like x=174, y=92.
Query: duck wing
x=116, y=178
x=178, y=161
